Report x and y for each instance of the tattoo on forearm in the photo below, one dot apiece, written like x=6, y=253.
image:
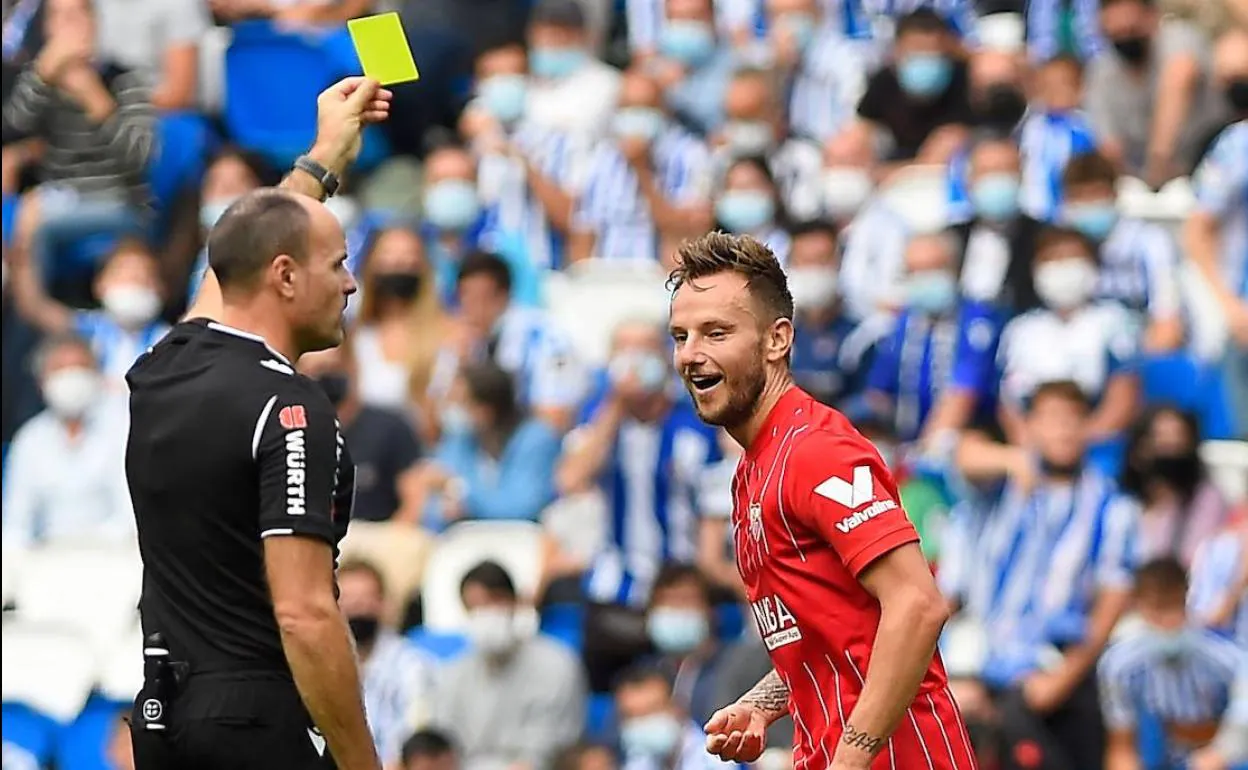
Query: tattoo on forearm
x=860, y=739
x=770, y=695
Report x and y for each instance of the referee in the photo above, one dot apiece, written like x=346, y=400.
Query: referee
x=242, y=488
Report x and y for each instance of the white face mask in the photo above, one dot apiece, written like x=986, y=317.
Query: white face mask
x=69, y=393
x=131, y=306
x=845, y=190
x=492, y=630
x=749, y=137
x=1066, y=283
x=813, y=288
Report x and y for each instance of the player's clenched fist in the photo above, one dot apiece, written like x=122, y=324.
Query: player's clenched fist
x=737, y=733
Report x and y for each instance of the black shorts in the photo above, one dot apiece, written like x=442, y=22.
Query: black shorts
x=239, y=724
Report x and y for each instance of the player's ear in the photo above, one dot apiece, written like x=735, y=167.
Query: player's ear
x=779, y=340
x=283, y=274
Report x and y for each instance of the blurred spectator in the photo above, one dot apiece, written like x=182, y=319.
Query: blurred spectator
x=1181, y=507
x=640, y=440
x=429, y=749
x=160, y=41
x=681, y=624
x=571, y=90
x=1139, y=259
x=997, y=95
x=1218, y=598
x=749, y=203
x=648, y=187
x=693, y=66
x=118, y=752
x=383, y=444
x=755, y=127
x=402, y=328
x=398, y=679
x=920, y=103
x=934, y=372
x=127, y=286
x=65, y=476
x=1054, y=26
x=1141, y=678
x=831, y=355
x=1151, y=96
x=515, y=700
x=315, y=12
x=847, y=183
x=97, y=123
x=585, y=756
x=655, y=732
x=1051, y=577
x=1054, y=130
x=493, y=461
x=1097, y=339
x=1216, y=235
x=549, y=380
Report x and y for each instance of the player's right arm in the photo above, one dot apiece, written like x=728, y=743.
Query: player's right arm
x=296, y=449
x=738, y=732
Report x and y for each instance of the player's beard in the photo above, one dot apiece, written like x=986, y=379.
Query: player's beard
x=744, y=391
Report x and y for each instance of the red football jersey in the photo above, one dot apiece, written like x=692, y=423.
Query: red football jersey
x=813, y=505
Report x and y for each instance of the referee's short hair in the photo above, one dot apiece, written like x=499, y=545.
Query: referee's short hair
x=253, y=230
x=491, y=576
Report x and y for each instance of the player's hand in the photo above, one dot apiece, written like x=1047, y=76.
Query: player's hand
x=59, y=53
x=1044, y=692
x=342, y=111
x=737, y=733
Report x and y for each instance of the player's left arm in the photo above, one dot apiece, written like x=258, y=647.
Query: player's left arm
x=848, y=495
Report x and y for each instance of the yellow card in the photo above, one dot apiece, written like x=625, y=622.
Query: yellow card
x=382, y=48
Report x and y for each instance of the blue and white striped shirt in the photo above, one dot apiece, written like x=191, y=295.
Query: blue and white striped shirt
x=1044, y=28
x=543, y=360
x=1215, y=567
x=1191, y=685
x=872, y=260
x=1047, y=142
x=1043, y=559
x=116, y=349
x=880, y=16
x=1221, y=182
x=613, y=207
x=1140, y=269
x=830, y=82
x=398, y=692
x=654, y=482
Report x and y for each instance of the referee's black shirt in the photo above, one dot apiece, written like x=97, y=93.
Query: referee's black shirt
x=228, y=445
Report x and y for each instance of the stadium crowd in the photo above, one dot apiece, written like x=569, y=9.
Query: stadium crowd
x=1016, y=234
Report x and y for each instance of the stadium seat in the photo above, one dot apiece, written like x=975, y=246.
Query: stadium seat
x=517, y=545
x=444, y=646
x=592, y=297
x=1004, y=32
x=565, y=622
x=398, y=550
x=184, y=140
x=1187, y=383
x=729, y=621
x=91, y=588
x=29, y=735
x=1228, y=466
x=964, y=646
x=599, y=717
x=1172, y=203
x=46, y=667
x=920, y=196
x=82, y=745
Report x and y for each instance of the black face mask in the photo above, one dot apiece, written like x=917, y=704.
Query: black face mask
x=335, y=385
x=397, y=285
x=364, y=628
x=1237, y=94
x=1060, y=470
x=1134, y=49
x=1179, y=471
x=1001, y=107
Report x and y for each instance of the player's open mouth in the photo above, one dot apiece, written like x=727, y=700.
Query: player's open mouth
x=703, y=383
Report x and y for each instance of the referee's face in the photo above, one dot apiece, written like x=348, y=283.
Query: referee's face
x=321, y=298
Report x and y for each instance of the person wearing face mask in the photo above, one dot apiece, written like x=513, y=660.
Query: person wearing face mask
x=128, y=323
x=64, y=475
x=648, y=189
x=570, y=89
x=933, y=371
x=847, y=182
x=1054, y=131
x=655, y=733
x=693, y=65
x=1051, y=577
x=1151, y=99
x=1139, y=259
x=1163, y=471
x=1098, y=340
x=1204, y=729
x=397, y=678
x=1216, y=234
x=492, y=462
x=755, y=127
x=831, y=354
x=922, y=100
x=515, y=699
x=750, y=203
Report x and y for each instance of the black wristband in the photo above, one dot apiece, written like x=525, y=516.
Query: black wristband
x=328, y=179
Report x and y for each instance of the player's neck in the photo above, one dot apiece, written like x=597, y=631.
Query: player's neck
x=255, y=320
x=775, y=388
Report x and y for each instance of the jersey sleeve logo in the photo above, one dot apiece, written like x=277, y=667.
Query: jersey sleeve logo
x=854, y=496
x=293, y=417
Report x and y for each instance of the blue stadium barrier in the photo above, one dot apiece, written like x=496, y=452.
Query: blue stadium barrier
x=443, y=646
x=1183, y=381
x=565, y=622
x=600, y=717
x=729, y=621
x=82, y=744
x=29, y=730
x=272, y=79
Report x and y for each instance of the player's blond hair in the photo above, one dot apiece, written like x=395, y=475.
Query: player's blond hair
x=718, y=252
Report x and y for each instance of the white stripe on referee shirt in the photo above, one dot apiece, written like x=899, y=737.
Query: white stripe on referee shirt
x=259, y=431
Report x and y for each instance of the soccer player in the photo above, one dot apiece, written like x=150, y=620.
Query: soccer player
x=841, y=593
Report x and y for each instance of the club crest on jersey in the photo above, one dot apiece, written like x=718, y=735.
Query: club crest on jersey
x=756, y=521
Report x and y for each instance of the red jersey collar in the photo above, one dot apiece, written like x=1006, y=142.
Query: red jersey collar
x=785, y=406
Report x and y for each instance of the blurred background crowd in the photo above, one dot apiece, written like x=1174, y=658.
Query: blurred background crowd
x=1017, y=238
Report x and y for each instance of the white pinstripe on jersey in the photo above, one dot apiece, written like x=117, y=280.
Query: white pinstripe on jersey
x=830, y=82
x=1139, y=268
x=1215, y=566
